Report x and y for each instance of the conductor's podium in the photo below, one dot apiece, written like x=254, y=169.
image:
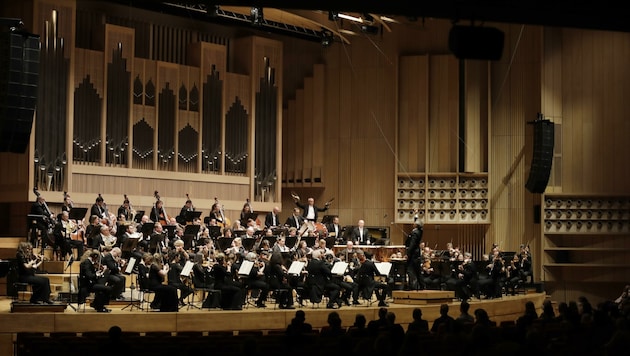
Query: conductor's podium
x=423, y=296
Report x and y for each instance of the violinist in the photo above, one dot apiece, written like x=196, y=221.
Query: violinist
x=513, y=275
x=365, y=278
x=27, y=265
x=256, y=279
x=175, y=278
x=232, y=296
x=165, y=295
x=158, y=214
x=319, y=280
x=346, y=282
x=276, y=274
x=91, y=279
x=116, y=279
x=429, y=277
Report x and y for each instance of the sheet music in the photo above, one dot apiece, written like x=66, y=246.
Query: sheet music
x=339, y=268
x=130, y=264
x=383, y=268
x=296, y=268
x=187, y=269
x=246, y=267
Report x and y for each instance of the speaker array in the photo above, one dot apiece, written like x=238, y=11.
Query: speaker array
x=542, y=159
x=19, y=77
x=586, y=215
x=443, y=199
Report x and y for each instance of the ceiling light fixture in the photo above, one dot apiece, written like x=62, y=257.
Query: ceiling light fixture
x=256, y=15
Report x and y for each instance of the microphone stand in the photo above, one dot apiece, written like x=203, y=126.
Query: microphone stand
x=70, y=285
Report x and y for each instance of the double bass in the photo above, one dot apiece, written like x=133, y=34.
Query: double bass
x=159, y=215
x=219, y=215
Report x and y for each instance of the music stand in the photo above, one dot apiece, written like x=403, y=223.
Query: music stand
x=70, y=285
x=290, y=241
x=225, y=243
x=214, y=232
x=239, y=233
x=77, y=214
x=188, y=242
x=248, y=244
x=310, y=240
x=128, y=246
x=130, y=271
x=138, y=217
x=192, y=215
x=170, y=230
x=330, y=242
x=147, y=229
x=155, y=241
x=192, y=230
x=280, y=231
x=327, y=219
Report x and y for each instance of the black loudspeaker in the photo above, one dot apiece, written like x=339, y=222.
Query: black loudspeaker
x=537, y=214
x=19, y=78
x=470, y=42
x=543, y=156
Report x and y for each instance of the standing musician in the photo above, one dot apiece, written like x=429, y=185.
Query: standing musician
x=309, y=211
x=64, y=230
x=361, y=235
x=92, y=279
x=334, y=229
x=99, y=208
x=188, y=206
x=111, y=259
x=414, y=254
x=27, y=264
x=125, y=212
x=45, y=224
x=158, y=214
x=217, y=214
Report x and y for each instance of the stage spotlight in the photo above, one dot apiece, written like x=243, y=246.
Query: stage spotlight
x=333, y=15
x=327, y=38
x=256, y=15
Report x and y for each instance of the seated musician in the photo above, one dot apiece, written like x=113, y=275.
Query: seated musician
x=92, y=279
x=365, y=278
x=301, y=249
x=40, y=208
x=429, y=277
x=99, y=208
x=276, y=274
x=232, y=296
x=280, y=246
x=181, y=218
x=319, y=280
x=321, y=246
x=104, y=239
x=175, y=278
x=93, y=229
x=27, y=264
x=124, y=212
x=257, y=280
x=116, y=279
x=165, y=295
x=63, y=232
x=295, y=220
x=345, y=281
x=157, y=242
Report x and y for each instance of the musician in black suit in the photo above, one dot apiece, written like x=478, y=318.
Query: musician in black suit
x=63, y=231
x=272, y=219
x=277, y=278
x=309, y=210
x=365, y=278
x=111, y=259
x=99, y=208
x=158, y=214
x=334, y=229
x=296, y=220
x=124, y=211
x=45, y=222
x=181, y=218
x=257, y=280
x=361, y=235
x=319, y=281
x=231, y=291
x=92, y=279
x=412, y=246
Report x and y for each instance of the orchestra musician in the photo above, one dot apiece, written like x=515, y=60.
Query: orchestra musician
x=216, y=213
x=165, y=295
x=99, y=208
x=280, y=245
x=91, y=279
x=345, y=282
x=232, y=295
x=158, y=213
x=115, y=278
x=319, y=281
x=125, y=212
x=175, y=278
x=45, y=224
x=28, y=263
x=295, y=220
x=361, y=235
x=367, y=284
x=276, y=274
x=513, y=275
x=272, y=219
x=67, y=204
x=334, y=229
x=257, y=280
x=104, y=239
x=188, y=206
x=309, y=210
x=157, y=242
x=63, y=232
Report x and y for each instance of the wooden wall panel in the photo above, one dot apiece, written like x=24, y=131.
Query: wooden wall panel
x=413, y=113
x=476, y=104
x=443, y=113
x=308, y=128
x=319, y=104
x=300, y=136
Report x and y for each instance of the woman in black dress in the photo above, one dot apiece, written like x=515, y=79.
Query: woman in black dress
x=27, y=264
x=167, y=295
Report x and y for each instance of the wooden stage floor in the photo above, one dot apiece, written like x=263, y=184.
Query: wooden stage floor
x=212, y=320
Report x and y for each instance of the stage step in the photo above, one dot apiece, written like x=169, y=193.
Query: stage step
x=423, y=296
x=20, y=307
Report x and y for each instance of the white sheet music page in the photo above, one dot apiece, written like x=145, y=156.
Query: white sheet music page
x=130, y=264
x=246, y=267
x=383, y=268
x=187, y=269
x=296, y=268
x=339, y=268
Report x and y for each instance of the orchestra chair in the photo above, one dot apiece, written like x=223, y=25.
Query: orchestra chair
x=21, y=288
x=202, y=283
x=143, y=287
x=275, y=294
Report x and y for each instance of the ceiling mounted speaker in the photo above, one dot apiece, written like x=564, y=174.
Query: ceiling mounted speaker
x=471, y=42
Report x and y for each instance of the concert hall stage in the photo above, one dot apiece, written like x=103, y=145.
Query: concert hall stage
x=213, y=320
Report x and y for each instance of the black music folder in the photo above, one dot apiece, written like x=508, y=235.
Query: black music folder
x=224, y=243
x=138, y=217
x=214, y=231
x=191, y=215
x=77, y=213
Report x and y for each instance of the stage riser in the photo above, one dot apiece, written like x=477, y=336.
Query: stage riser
x=37, y=308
